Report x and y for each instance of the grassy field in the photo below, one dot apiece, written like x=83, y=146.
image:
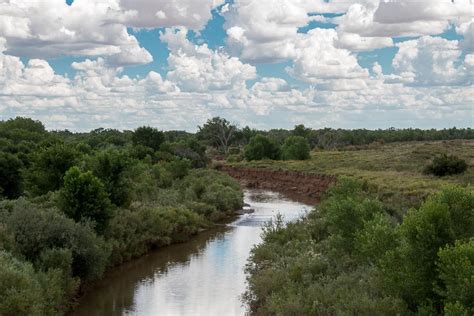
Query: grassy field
x=393, y=171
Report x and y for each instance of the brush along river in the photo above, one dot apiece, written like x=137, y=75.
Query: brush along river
x=204, y=276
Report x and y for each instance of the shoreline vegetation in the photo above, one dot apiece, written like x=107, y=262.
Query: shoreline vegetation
x=75, y=204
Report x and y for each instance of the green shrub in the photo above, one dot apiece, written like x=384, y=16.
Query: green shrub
x=295, y=148
x=261, y=147
x=36, y=230
x=83, y=198
x=20, y=291
x=178, y=168
x=445, y=165
x=133, y=233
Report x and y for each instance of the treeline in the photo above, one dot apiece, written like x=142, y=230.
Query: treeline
x=227, y=137
x=75, y=204
x=350, y=257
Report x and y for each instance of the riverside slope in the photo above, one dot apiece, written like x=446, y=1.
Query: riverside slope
x=303, y=187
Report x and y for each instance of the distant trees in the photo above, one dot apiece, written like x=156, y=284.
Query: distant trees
x=149, y=137
x=261, y=147
x=444, y=165
x=219, y=132
x=83, y=197
x=295, y=148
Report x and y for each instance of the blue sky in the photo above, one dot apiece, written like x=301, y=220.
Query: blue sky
x=263, y=63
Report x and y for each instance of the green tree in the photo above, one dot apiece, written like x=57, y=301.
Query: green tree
x=261, y=147
x=149, y=137
x=295, y=148
x=110, y=167
x=301, y=130
x=10, y=175
x=410, y=270
x=456, y=272
x=218, y=132
x=83, y=197
x=48, y=167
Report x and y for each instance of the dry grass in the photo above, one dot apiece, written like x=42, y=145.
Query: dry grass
x=394, y=170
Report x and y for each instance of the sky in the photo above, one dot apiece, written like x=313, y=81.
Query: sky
x=173, y=64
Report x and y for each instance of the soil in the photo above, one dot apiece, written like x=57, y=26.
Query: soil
x=301, y=187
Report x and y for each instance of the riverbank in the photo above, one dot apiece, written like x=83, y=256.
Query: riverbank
x=298, y=186
x=204, y=276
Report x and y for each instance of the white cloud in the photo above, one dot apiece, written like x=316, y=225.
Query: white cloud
x=198, y=68
x=318, y=60
x=192, y=14
x=431, y=61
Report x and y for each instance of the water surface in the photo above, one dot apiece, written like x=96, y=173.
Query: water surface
x=204, y=276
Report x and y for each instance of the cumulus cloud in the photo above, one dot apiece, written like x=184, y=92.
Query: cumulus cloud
x=432, y=61
x=191, y=14
x=431, y=82
x=200, y=69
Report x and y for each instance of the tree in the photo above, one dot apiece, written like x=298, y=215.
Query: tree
x=83, y=197
x=295, y=148
x=10, y=176
x=261, y=147
x=110, y=166
x=219, y=132
x=410, y=270
x=48, y=167
x=301, y=130
x=456, y=271
x=149, y=137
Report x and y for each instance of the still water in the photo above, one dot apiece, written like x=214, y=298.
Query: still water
x=202, y=277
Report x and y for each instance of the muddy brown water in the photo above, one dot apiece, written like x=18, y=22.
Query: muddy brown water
x=204, y=276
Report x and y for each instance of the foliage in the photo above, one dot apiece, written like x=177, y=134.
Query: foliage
x=83, y=198
x=261, y=147
x=36, y=230
x=149, y=137
x=10, y=175
x=218, y=132
x=295, y=148
x=456, y=272
x=445, y=165
x=350, y=258
x=110, y=166
x=48, y=167
x=133, y=233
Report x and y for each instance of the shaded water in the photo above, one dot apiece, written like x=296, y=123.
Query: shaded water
x=204, y=276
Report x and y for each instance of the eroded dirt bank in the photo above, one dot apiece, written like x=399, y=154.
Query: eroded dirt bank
x=305, y=188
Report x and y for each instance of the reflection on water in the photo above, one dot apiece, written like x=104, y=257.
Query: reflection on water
x=202, y=277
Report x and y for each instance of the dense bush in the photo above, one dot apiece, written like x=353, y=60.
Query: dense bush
x=261, y=147
x=10, y=175
x=133, y=233
x=83, y=198
x=36, y=230
x=295, y=148
x=149, y=137
x=48, y=167
x=349, y=258
x=445, y=165
x=110, y=166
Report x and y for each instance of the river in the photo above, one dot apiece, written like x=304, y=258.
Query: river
x=204, y=276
